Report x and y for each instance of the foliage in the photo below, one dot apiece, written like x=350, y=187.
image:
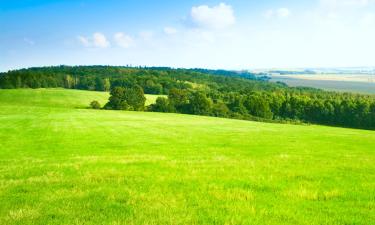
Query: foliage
x=95, y=105
x=200, y=104
x=162, y=105
x=126, y=99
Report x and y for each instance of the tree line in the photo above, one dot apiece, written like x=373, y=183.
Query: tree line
x=204, y=92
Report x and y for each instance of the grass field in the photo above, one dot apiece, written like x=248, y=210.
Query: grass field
x=57, y=98
x=63, y=164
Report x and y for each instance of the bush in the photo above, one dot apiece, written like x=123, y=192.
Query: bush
x=95, y=105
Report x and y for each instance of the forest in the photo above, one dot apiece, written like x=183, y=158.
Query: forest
x=216, y=93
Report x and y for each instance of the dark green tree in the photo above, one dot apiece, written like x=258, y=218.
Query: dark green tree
x=126, y=99
x=200, y=104
x=162, y=105
x=258, y=106
x=117, y=99
x=135, y=98
x=179, y=99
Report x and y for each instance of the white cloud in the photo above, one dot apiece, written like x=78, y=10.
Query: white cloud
x=283, y=12
x=123, y=40
x=216, y=17
x=98, y=40
x=170, y=30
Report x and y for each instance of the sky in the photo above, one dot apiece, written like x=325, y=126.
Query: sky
x=231, y=34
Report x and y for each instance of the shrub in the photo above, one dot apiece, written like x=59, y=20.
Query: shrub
x=95, y=105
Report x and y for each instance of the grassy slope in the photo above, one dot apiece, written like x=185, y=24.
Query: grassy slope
x=63, y=164
x=57, y=98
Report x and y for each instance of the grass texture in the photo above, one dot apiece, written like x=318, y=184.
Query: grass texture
x=61, y=163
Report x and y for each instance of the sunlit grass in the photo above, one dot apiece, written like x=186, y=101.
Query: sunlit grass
x=61, y=163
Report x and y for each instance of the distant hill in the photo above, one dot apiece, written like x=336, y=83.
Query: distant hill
x=218, y=93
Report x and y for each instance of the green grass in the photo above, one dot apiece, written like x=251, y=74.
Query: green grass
x=57, y=98
x=63, y=164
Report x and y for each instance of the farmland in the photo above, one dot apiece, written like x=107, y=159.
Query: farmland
x=358, y=83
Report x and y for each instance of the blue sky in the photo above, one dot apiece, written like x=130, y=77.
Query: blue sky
x=232, y=34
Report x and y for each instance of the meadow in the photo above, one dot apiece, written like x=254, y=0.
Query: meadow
x=61, y=163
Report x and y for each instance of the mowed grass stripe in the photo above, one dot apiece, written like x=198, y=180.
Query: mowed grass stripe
x=63, y=164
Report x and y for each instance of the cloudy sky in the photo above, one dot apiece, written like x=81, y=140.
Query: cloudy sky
x=232, y=34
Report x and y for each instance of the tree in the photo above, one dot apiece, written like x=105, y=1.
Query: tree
x=258, y=106
x=95, y=105
x=126, y=99
x=220, y=110
x=200, y=104
x=99, y=84
x=135, y=98
x=162, y=105
x=116, y=100
x=5, y=82
x=18, y=82
x=68, y=82
x=151, y=87
x=107, y=84
x=236, y=104
x=179, y=100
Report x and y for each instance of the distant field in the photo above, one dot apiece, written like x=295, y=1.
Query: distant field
x=63, y=164
x=336, y=82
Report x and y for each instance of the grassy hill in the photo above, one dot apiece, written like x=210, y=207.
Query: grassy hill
x=61, y=163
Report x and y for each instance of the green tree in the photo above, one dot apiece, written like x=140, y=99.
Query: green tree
x=116, y=100
x=135, y=98
x=151, y=87
x=126, y=99
x=99, y=84
x=107, y=84
x=258, y=106
x=236, y=104
x=200, y=104
x=162, y=105
x=68, y=82
x=179, y=100
x=18, y=82
x=220, y=110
